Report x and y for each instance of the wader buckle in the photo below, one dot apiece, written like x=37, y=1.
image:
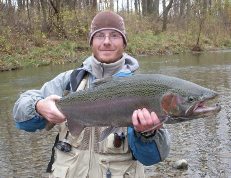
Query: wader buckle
x=64, y=146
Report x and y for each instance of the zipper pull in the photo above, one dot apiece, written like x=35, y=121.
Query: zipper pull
x=108, y=173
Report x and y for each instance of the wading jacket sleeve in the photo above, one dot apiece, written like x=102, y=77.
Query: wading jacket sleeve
x=26, y=117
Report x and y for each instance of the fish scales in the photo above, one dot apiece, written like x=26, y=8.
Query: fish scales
x=118, y=88
x=112, y=102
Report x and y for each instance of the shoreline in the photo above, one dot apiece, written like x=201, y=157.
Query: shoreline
x=83, y=52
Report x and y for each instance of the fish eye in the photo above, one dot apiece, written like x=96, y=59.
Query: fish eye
x=191, y=98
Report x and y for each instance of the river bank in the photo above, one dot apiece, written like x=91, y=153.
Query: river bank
x=39, y=50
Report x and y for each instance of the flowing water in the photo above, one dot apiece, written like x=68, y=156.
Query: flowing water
x=204, y=143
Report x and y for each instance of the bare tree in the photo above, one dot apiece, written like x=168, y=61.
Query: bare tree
x=182, y=7
x=136, y=6
x=128, y=6
x=165, y=14
x=201, y=15
x=144, y=5
x=20, y=4
x=156, y=4
x=111, y=4
x=45, y=27
x=94, y=5
x=57, y=6
x=188, y=11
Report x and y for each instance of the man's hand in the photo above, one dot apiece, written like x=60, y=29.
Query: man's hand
x=143, y=120
x=47, y=108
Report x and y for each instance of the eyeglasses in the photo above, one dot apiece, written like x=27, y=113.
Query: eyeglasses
x=112, y=36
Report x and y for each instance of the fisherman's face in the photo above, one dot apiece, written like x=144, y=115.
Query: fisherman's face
x=107, y=46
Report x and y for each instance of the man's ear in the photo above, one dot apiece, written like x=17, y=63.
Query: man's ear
x=124, y=45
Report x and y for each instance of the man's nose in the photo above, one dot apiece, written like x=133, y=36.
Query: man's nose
x=107, y=39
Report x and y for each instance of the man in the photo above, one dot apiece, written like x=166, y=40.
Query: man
x=121, y=153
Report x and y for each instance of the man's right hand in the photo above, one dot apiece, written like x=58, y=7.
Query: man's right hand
x=48, y=109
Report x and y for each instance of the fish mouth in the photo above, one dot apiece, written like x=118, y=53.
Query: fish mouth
x=200, y=108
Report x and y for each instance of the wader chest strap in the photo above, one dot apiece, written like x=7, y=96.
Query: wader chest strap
x=76, y=77
x=49, y=166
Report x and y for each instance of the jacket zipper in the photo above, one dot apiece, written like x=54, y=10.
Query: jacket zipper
x=101, y=64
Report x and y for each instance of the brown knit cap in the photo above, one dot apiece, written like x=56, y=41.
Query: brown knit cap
x=107, y=20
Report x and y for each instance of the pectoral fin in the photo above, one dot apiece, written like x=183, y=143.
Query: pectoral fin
x=162, y=119
x=74, y=127
x=49, y=126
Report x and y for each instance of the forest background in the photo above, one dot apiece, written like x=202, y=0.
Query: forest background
x=43, y=32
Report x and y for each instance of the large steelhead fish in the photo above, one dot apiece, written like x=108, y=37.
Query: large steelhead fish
x=112, y=102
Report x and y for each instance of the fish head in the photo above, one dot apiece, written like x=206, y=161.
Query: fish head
x=189, y=103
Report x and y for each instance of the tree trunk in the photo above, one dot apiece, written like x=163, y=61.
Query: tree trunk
x=182, y=7
x=165, y=14
x=111, y=4
x=149, y=6
x=139, y=8
x=136, y=6
x=28, y=14
x=144, y=7
x=188, y=11
x=94, y=5
x=20, y=5
x=128, y=6
x=156, y=4
x=44, y=28
x=56, y=6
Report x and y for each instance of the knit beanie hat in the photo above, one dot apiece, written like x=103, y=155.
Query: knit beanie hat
x=107, y=20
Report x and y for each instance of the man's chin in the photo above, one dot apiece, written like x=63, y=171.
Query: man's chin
x=106, y=58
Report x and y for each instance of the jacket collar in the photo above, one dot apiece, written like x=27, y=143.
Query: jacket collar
x=99, y=70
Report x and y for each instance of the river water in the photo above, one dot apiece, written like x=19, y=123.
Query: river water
x=204, y=143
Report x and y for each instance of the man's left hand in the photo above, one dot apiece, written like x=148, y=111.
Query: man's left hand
x=143, y=120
